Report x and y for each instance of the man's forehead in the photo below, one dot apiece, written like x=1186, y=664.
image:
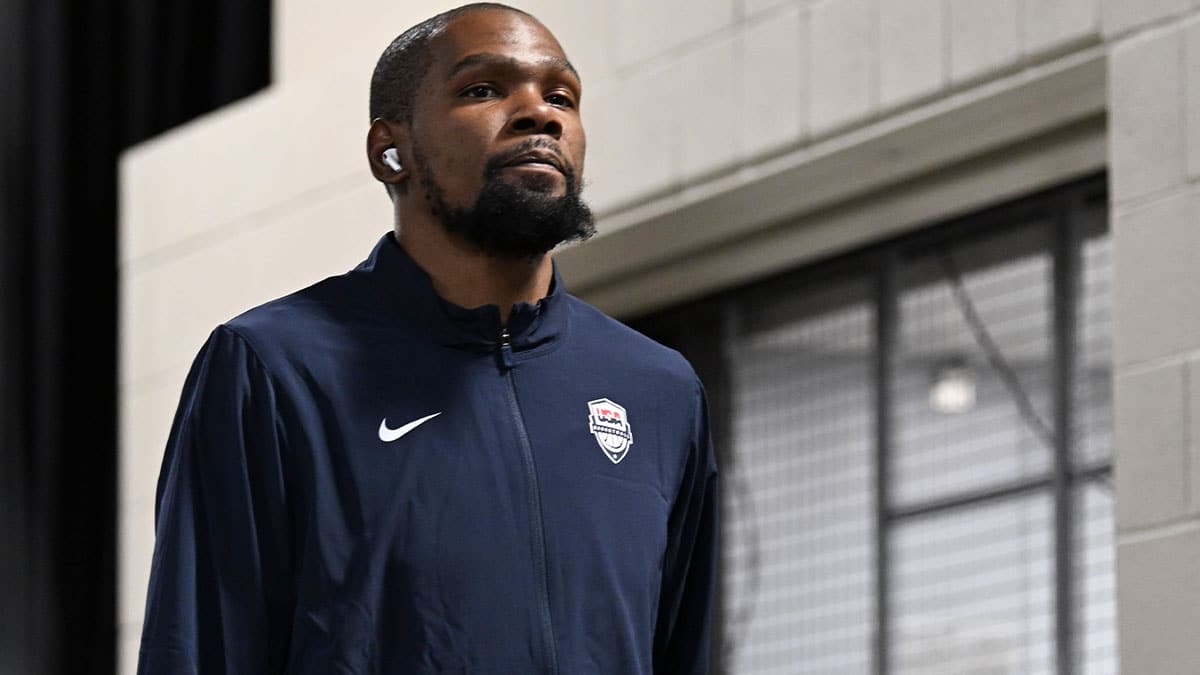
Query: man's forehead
x=496, y=32
x=478, y=59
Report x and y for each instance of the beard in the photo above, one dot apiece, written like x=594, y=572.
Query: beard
x=512, y=219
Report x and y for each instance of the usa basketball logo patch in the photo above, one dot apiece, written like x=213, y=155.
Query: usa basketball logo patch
x=610, y=425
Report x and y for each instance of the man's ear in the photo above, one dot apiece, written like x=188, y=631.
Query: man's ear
x=384, y=136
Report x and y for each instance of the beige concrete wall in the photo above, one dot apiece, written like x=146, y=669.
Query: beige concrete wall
x=728, y=139
x=1154, y=80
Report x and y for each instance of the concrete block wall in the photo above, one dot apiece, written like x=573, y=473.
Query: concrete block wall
x=1154, y=145
x=272, y=193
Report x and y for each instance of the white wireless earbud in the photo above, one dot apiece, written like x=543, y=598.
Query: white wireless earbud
x=392, y=158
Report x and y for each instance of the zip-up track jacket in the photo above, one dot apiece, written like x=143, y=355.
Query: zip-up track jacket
x=364, y=478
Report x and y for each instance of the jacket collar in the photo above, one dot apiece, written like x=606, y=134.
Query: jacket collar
x=410, y=291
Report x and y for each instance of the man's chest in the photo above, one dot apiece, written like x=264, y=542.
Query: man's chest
x=447, y=460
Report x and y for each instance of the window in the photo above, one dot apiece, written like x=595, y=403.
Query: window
x=916, y=448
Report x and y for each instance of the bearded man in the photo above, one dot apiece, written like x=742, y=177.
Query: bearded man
x=440, y=461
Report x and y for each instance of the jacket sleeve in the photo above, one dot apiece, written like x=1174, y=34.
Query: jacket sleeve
x=681, y=641
x=219, y=597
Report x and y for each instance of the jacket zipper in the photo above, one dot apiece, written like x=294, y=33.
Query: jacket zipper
x=535, y=502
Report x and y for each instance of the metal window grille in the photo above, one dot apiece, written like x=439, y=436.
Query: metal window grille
x=799, y=552
x=972, y=584
x=916, y=443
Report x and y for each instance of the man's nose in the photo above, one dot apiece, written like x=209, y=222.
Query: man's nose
x=536, y=116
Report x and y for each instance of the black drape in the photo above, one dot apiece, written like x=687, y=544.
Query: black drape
x=79, y=82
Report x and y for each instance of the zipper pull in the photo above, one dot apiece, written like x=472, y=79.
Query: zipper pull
x=506, y=359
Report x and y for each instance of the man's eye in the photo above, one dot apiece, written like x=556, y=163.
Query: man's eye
x=479, y=91
x=560, y=100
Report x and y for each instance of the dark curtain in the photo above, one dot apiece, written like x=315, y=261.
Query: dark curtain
x=79, y=82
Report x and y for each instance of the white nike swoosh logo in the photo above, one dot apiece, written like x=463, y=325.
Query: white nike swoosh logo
x=388, y=435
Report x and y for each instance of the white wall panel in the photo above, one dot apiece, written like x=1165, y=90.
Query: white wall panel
x=1120, y=16
x=1147, y=109
x=1156, y=204
x=984, y=36
x=1157, y=248
x=283, y=148
x=645, y=30
x=631, y=140
x=1191, y=64
x=775, y=80
x=843, y=57
x=912, y=49
x=1053, y=24
x=710, y=128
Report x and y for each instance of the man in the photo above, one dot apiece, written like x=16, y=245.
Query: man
x=440, y=462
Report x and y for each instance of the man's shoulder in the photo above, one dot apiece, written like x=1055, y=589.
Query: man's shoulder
x=295, y=319
x=625, y=345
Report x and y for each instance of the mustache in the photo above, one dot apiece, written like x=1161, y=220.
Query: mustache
x=499, y=160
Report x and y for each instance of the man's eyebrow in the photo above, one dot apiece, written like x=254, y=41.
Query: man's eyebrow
x=490, y=59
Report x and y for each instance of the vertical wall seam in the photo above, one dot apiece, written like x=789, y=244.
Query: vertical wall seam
x=1022, y=42
x=1188, y=488
x=875, y=74
x=947, y=59
x=804, y=53
x=1182, y=110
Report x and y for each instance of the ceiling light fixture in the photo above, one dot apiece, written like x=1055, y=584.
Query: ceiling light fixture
x=953, y=388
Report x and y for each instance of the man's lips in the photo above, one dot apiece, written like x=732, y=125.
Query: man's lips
x=536, y=159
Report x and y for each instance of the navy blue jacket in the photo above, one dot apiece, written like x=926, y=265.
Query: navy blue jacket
x=364, y=478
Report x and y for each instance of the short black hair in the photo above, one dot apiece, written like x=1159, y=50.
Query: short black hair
x=402, y=65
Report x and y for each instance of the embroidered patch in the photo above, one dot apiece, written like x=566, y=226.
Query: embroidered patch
x=610, y=425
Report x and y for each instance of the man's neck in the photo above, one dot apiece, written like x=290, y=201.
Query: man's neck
x=470, y=278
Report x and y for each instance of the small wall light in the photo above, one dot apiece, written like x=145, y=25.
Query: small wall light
x=953, y=389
